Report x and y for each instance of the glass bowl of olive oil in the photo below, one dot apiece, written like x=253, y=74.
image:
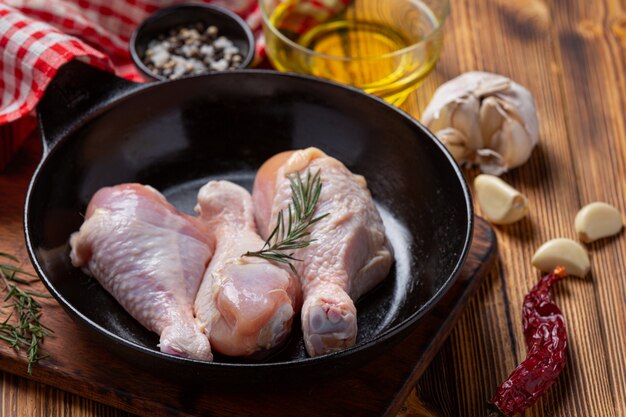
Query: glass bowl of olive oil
x=385, y=47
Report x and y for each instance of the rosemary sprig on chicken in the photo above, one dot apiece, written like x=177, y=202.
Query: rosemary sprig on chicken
x=21, y=328
x=292, y=225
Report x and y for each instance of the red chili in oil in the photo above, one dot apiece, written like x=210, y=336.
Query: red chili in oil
x=546, y=339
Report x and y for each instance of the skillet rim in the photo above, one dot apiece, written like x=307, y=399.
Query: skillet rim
x=387, y=335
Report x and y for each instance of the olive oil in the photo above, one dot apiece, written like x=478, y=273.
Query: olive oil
x=357, y=46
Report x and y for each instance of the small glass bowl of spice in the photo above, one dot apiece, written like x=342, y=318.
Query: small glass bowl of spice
x=186, y=40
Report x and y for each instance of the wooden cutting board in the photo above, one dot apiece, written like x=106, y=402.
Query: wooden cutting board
x=79, y=365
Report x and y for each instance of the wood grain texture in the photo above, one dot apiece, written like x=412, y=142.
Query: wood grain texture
x=576, y=68
x=592, y=47
x=79, y=364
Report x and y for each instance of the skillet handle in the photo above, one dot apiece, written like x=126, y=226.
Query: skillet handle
x=77, y=91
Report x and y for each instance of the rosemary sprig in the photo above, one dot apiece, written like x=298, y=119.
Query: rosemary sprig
x=292, y=225
x=21, y=327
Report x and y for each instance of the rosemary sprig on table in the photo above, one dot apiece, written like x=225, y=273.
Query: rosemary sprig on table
x=21, y=327
x=292, y=229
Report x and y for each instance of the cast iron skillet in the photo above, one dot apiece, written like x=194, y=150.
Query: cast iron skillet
x=99, y=130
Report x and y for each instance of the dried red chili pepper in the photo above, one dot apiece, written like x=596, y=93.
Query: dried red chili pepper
x=544, y=331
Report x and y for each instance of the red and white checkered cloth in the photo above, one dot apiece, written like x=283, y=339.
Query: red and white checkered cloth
x=39, y=36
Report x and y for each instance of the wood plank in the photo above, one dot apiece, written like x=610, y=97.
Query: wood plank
x=487, y=344
x=25, y=397
x=592, y=47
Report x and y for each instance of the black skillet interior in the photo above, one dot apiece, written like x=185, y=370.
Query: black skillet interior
x=176, y=136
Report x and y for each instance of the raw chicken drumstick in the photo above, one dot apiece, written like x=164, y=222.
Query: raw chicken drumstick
x=151, y=258
x=244, y=304
x=350, y=253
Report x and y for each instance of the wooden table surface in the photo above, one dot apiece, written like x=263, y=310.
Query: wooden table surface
x=574, y=61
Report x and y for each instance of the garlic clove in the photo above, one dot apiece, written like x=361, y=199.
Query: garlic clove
x=512, y=143
x=504, y=134
x=501, y=203
x=454, y=141
x=596, y=221
x=466, y=119
x=442, y=119
x=492, y=117
x=461, y=114
x=562, y=252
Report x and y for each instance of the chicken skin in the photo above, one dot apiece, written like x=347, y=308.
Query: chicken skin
x=245, y=304
x=150, y=258
x=350, y=253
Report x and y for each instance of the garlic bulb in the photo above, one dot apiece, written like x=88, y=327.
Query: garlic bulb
x=484, y=119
